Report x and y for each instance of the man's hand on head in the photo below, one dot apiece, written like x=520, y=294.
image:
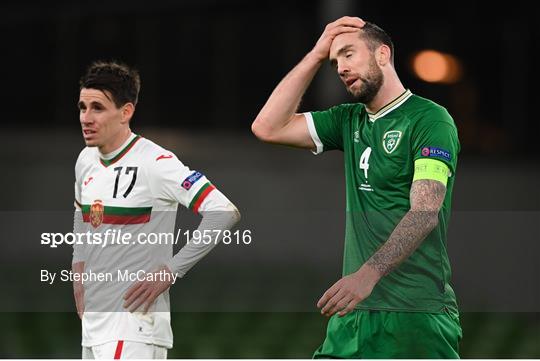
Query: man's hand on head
x=346, y=24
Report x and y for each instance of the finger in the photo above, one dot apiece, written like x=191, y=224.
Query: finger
x=351, y=21
x=139, y=301
x=138, y=290
x=150, y=301
x=157, y=289
x=352, y=304
x=327, y=295
x=342, y=304
x=343, y=29
x=136, y=299
x=333, y=301
x=132, y=289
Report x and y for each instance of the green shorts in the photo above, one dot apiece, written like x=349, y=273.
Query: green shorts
x=386, y=334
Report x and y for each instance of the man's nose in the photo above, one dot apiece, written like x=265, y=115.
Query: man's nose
x=85, y=118
x=342, y=69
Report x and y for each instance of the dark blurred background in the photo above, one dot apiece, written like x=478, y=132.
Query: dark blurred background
x=207, y=67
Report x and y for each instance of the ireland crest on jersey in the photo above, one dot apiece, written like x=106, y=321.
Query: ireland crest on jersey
x=391, y=140
x=96, y=213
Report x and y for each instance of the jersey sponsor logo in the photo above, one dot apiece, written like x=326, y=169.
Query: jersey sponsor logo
x=435, y=152
x=87, y=181
x=164, y=157
x=191, y=180
x=96, y=213
x=391, y=140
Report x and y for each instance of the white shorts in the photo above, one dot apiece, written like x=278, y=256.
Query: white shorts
x=124, y=350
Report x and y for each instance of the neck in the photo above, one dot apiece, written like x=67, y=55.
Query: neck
x=117, y=143
x=390, y=90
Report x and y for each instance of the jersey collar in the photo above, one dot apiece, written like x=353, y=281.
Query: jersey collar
x=394, y=104
x=111, y=158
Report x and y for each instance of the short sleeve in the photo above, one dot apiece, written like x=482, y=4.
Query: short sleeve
x=326, y=128
x=435, y=136
x=171, y=180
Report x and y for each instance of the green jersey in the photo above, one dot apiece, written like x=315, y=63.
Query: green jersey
x=379, y=153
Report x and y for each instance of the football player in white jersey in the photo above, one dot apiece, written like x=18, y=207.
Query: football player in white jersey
x=126, y=187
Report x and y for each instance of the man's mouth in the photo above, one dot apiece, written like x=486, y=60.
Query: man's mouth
x=88, y=133
x=350, y=81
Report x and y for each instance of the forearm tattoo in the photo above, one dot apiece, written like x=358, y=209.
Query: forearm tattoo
x=426, y=198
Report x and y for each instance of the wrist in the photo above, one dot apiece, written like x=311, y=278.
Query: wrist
x=368, y=273
x=314, y=58
x=167, y=268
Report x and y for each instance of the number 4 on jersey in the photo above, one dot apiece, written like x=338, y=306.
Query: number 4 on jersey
x=364, y=161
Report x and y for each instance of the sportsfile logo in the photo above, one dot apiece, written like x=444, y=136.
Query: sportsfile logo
x=191, y=180
x=436, y=152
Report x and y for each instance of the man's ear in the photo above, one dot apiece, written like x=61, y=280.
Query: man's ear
x=127, y=112
x=383, y=55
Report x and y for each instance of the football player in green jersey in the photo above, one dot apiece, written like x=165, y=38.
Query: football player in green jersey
x=400, y=152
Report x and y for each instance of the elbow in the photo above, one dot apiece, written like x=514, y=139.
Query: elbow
x=236, y=217
x=257, y=129
x=261, y=131
x=234, y=214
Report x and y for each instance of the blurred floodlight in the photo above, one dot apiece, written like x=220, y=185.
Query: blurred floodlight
x=435, y=67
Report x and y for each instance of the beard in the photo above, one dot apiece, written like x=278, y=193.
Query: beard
x=371, y=84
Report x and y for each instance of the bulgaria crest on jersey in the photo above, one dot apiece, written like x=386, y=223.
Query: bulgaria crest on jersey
x=96, y=213
x=391, y=140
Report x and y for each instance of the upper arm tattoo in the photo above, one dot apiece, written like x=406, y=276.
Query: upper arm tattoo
x=427, y=195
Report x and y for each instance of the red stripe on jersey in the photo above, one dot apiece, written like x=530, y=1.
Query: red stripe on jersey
x=143, y=218
x=118, y=351
x=202, y=197
x=110, y=219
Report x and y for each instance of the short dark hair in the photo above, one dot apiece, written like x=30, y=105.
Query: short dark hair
x=118, y=79
x=375, y=37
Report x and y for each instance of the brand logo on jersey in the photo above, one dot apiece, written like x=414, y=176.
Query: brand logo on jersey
x=391, y=140
x=191, y=180
x=356, y=137
x=88, y=181
x=96, y=213
x=164, y=157
x=436, y=153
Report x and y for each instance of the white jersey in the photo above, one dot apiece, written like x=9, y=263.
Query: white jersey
x=136, y=191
